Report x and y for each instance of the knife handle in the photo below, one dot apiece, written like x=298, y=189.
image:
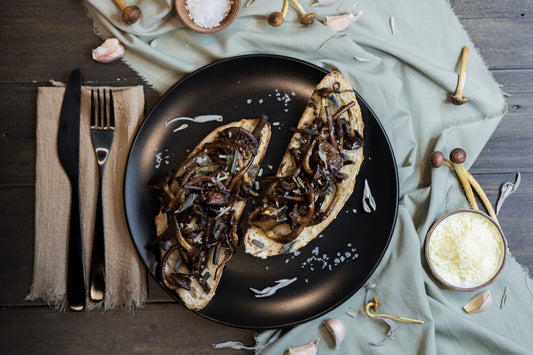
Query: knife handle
x=76, y=291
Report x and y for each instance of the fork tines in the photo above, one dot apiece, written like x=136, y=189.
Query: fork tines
x=100, y=121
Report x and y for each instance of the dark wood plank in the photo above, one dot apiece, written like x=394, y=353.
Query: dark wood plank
x=17, y=206
x=513, y=36
x=515, y=214
x=510, y=149
x=154, y=329
x=479, y=9
x=43, y=40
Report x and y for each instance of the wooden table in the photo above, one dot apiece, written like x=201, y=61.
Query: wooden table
x=44, y=40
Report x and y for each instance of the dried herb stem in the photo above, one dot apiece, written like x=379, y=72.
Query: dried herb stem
x=374, y=305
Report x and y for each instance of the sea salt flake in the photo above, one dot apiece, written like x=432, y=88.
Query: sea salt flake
x=208, y=13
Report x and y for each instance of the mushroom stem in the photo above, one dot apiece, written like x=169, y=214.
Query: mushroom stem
x=285, y=8
x=457, y=97
x=375, y=305
x=121, y=4
x=307, y=17
x=461, y=174
x=477, y=188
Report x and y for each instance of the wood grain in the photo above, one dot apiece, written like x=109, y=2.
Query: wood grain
x=35, y=48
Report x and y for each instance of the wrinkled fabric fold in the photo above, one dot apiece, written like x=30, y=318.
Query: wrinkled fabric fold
x=406, y=76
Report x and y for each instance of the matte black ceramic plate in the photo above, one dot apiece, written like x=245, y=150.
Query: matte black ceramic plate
x=329, y=269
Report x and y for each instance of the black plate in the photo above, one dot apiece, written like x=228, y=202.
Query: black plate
x=331, y=268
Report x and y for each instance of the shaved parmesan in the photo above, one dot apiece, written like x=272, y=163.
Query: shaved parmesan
x=466, y=249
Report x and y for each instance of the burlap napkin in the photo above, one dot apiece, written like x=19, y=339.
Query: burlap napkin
x=125, y=279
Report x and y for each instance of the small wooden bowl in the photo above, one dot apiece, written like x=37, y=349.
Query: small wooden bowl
x=455, y=287
x=228, y=20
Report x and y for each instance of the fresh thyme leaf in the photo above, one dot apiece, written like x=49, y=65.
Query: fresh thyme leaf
x=188, y=203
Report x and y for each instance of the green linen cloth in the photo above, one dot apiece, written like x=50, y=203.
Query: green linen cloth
x=405, y=73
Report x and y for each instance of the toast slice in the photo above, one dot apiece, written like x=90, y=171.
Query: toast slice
x=201, y=205
x=317, y=173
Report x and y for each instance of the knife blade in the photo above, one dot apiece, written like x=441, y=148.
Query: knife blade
x=68, y=148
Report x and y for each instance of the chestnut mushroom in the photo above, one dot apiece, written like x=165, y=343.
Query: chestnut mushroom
x=457, y=98
x=276, y=18
x=307, y=17
x=457, y=157
x=130, y=14
x=436, y=159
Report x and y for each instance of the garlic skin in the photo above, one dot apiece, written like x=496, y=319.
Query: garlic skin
x=323, y=2
x=307, y=349
x=479, y=303
x=341, y=22
x=108, y=51
x=336, y=329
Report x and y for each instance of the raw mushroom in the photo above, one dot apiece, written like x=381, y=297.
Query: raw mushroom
x=457, y=157
x=276, y=18
x=457, y=98
x=307, y=17
x=130, y=14
x=437, y=159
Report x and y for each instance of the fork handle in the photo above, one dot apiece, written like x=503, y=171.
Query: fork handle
x=98, y=274
x=76, y=270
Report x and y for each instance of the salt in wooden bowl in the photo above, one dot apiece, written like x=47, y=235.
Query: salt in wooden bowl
x=183, y=14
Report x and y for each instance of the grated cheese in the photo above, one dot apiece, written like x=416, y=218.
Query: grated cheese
x=466, y=249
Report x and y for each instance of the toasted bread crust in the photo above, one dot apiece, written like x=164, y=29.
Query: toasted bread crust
x=256, y=240
x=196, y=298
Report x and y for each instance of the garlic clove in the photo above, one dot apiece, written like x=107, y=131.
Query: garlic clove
x=341, y=22
x=307, y=349
x=336, y=329
x=108, y=51
x=479, y=303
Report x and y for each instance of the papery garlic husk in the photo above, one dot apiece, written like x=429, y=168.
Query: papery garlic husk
x=109, y=51
x=307, y=349
x=341, y=22
x=479, y=303
x=323, y=2
x=336, y=329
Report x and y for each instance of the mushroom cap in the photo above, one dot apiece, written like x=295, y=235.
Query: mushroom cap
x=436, y=159
x=307, y=19
x=458, y=156
x=131, y=14
x=458, y=100
x=275, y=19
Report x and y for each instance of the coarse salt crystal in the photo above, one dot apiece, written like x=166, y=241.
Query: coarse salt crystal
x=208, y=13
